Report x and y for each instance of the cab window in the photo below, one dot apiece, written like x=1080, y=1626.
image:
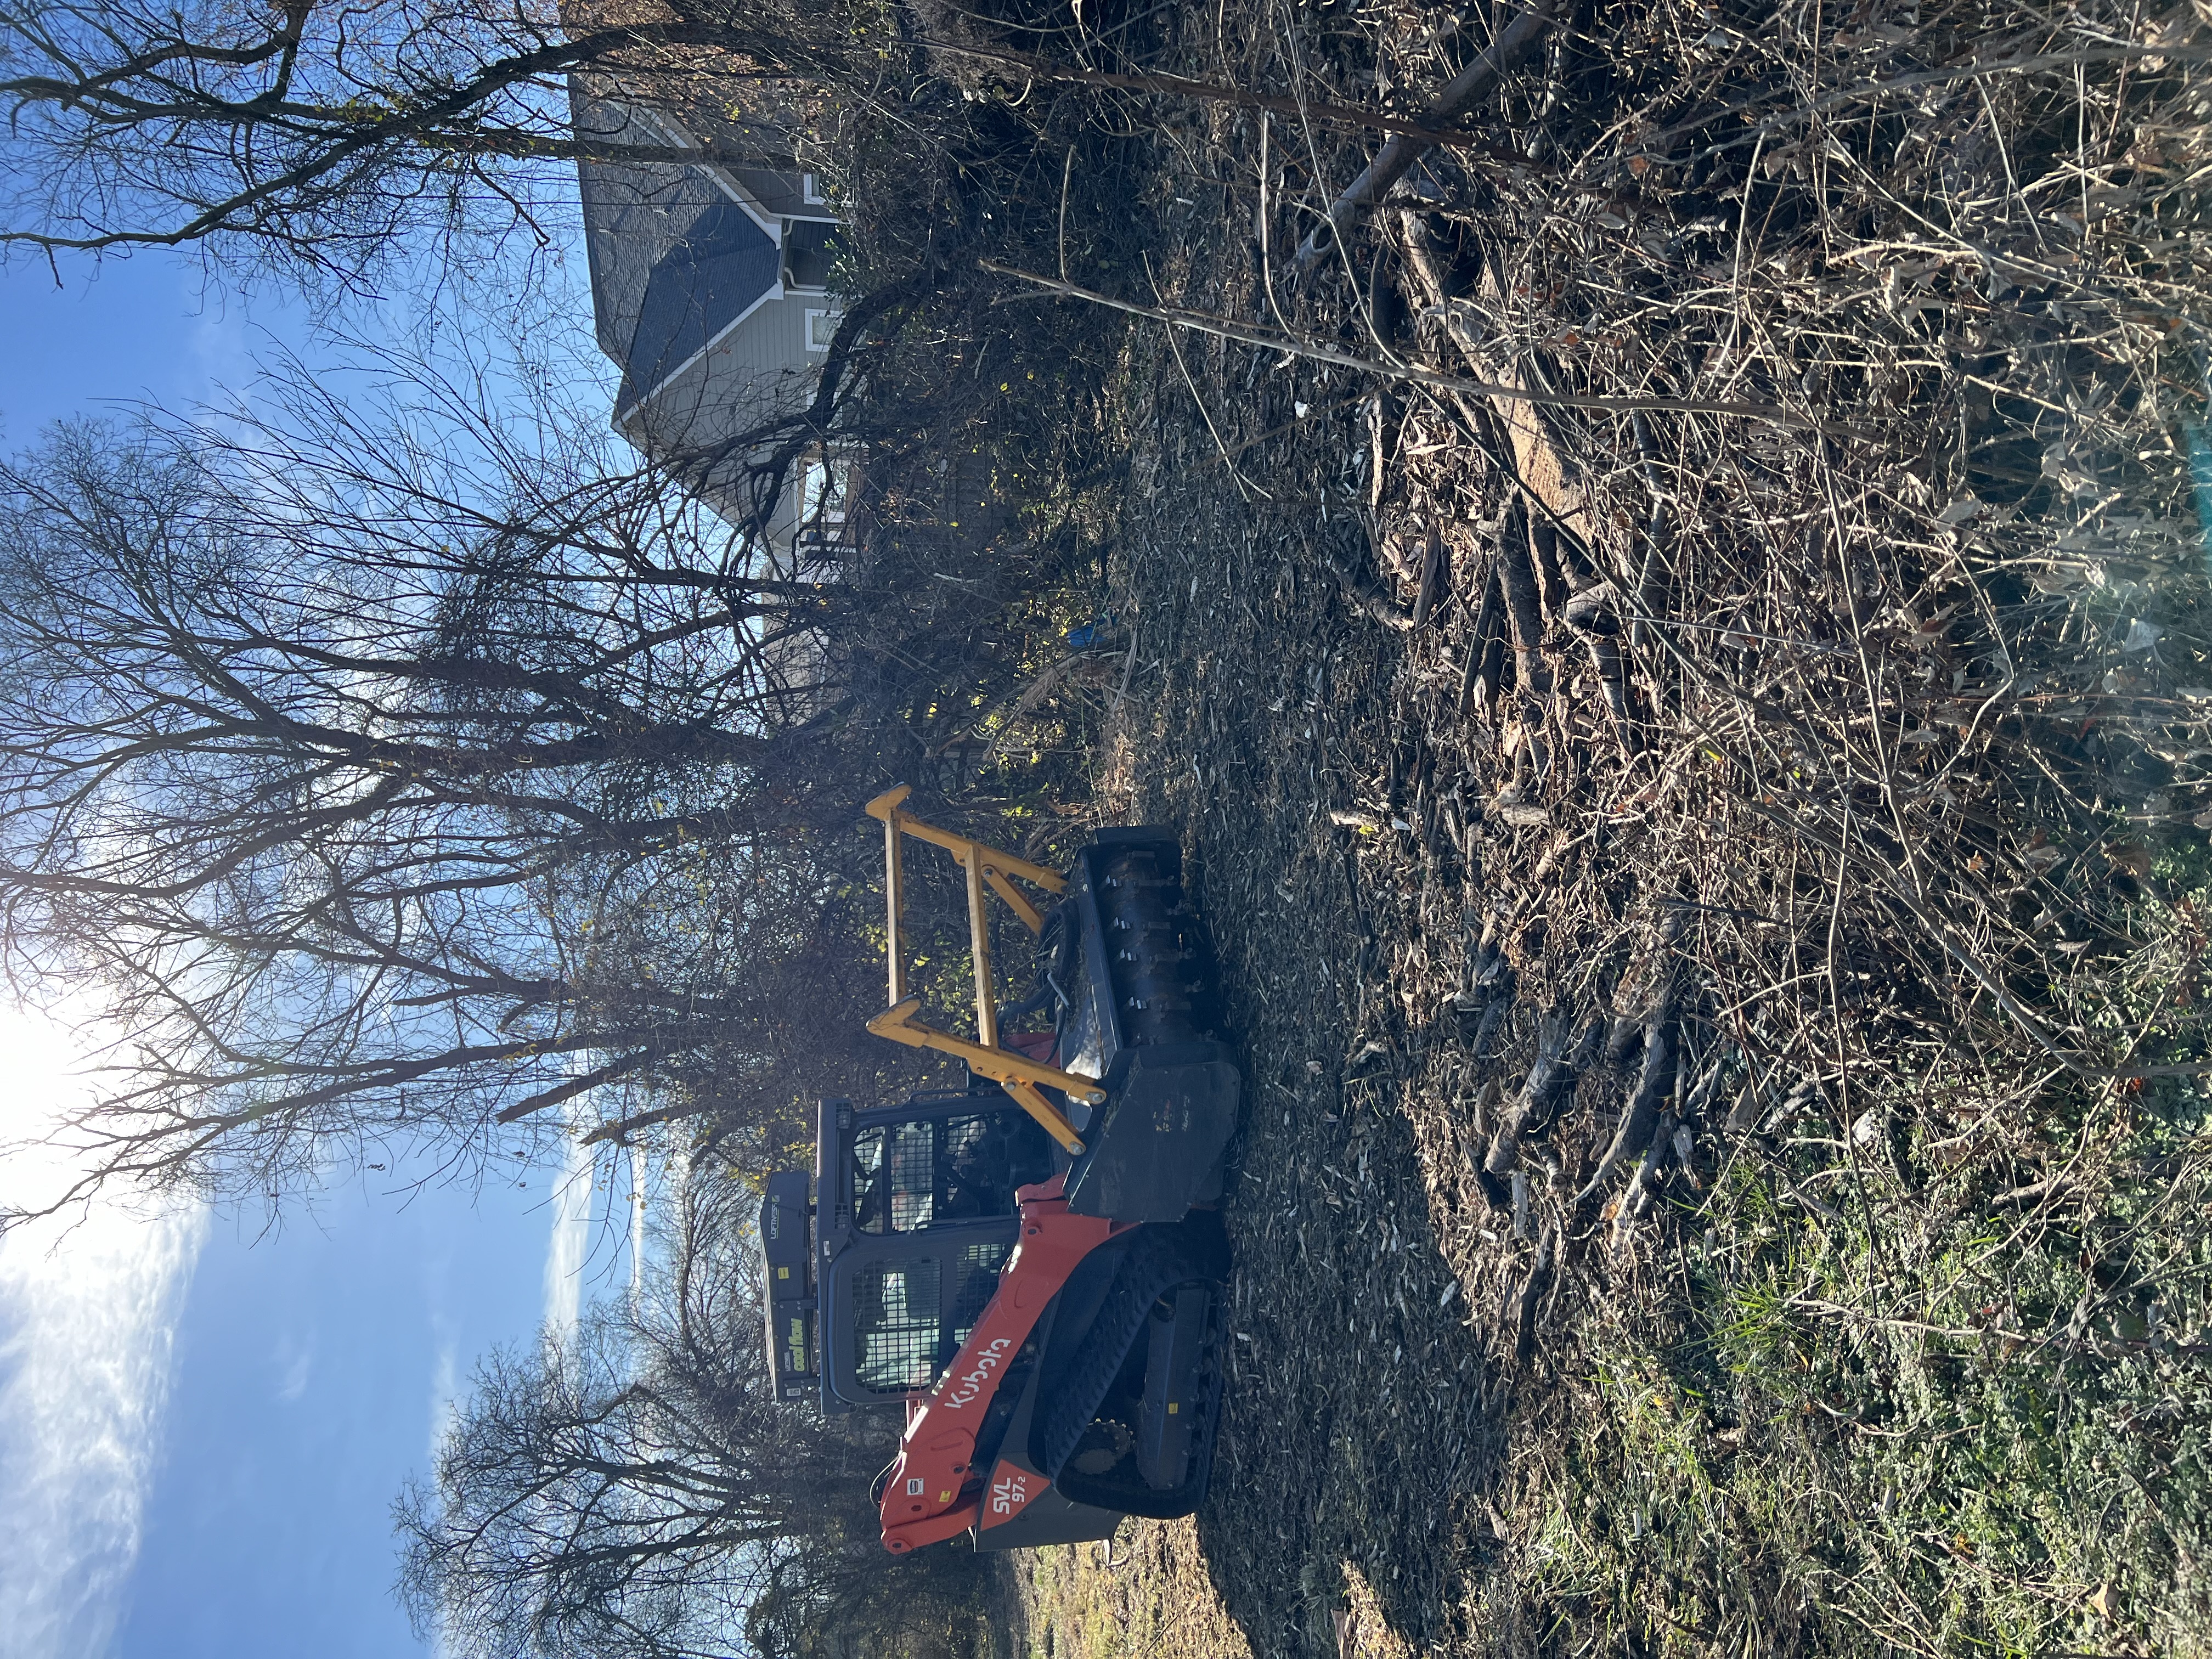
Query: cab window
x=910, y=1317
x=895, y=1177
x=906, y=1176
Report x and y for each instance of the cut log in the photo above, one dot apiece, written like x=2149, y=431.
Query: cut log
x=1477, y=81
x=1642, y=1112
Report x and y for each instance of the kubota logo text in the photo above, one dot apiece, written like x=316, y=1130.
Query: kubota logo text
x=970, y=1383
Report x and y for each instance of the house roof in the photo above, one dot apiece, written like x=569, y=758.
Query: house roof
x=716, y=270
x=676, y=257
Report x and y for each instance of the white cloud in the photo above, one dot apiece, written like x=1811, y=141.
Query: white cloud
x=295, y=1363
x=444, y=1388
x=566, y=1251
x=88, y=1308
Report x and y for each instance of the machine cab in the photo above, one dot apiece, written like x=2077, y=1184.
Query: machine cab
x=913, y=1217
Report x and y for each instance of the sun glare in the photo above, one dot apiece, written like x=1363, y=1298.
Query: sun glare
x=88, y=1306
x=41, y=1080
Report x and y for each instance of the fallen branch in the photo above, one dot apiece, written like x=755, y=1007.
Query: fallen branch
x=1523, y=1314
x=1461, y=93
x=1221, y=328
x=1641, y=1188
x=1485, y=668
x=1549, y=1076
x=1534, y=452
x=1642, y=1112
x=1369, y=597
x=1436, y=568
x=1524, y=604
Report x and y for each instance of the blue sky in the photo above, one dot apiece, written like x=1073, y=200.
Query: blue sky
x=202, y=1431
x=130, y=328
x=311, y=1372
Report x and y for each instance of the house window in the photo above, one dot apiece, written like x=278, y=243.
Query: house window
x=821, y=494
x=821, y=328
x=809, y=252
x=809, y=190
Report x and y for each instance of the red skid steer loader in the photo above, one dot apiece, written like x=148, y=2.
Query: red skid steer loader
x=1031, y=1267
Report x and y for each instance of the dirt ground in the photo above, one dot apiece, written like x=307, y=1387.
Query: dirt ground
x=1149, y=1593
x=1725, y=1151
x=1362, y=1428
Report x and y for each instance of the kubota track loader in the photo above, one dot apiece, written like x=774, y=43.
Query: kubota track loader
x=1030, y=1268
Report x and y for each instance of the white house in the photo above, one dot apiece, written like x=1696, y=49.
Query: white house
x=710, y=291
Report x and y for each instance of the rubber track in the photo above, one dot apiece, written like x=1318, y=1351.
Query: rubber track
x=1131, y=1495
x=1153, y=1266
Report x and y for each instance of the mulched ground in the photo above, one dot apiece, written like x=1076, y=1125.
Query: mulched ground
x=1361, y=1423
x=1354, y=1328
x=1823, y=803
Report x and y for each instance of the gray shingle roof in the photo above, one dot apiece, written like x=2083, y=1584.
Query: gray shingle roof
x=713, y=272
x=674, y=259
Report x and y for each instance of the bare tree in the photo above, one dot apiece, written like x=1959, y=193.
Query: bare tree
x=349, y=147
x=634, y=1491
x=398, y=774
x=316, y=136
x=378, y=786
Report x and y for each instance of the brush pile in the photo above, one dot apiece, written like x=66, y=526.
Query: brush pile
x=1927, y=641
x=1765, y=724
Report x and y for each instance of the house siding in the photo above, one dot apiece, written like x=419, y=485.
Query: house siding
x=760, y=370
x=748, y=379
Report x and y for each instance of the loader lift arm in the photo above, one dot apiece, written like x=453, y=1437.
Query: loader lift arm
x=987, y=868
